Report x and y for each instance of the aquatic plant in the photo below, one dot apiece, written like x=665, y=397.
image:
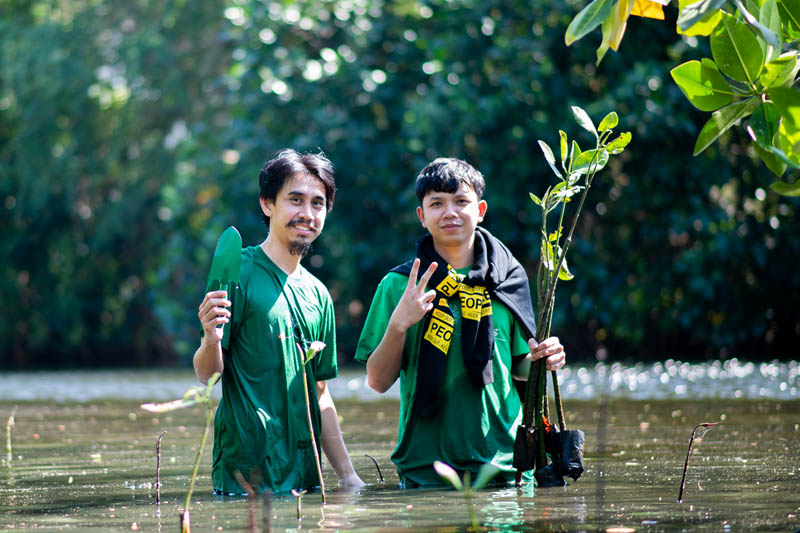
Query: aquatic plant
x=299, y=495
x=9, y=425
x=707, y=426
x=485, y=474
x=377, y=466
x=194, y=396
x=158, y=467
x=576, y=174
x=316, y=347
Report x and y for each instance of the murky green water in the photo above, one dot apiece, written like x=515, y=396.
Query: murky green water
x=88, y=463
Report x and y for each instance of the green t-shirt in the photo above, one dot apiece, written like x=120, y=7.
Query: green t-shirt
x=473, y=426
x=261, y=426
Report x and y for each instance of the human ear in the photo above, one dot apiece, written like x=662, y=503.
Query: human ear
x=421, y=216
x=482, y=206
x=266, y=206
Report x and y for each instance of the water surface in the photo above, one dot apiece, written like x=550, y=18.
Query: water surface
x=84, y=458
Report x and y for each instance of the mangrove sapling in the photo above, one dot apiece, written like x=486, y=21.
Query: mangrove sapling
x=316, y=346
x=195, y=395
x=707, y=426
x=9, y=425
x=485, y=474
x=158, y=467
x=251, y=499
x=577, y=172
x=299, y=495
x=380, y=474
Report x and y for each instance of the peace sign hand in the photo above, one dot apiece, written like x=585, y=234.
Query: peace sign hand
x=415, y=302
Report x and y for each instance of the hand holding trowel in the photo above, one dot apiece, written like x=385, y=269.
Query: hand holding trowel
x=225, y=270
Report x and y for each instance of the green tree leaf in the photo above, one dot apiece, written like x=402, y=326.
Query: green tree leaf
x=697, y=11
x=790, y=15
x=617, y=146
x=787, y=103
x=770, y=16
x=775, y=164
x=768, y=37
x=582, y=118
x=736, y=50
x=703, y=85
x=535, y=199
x=588, y=19
x=564, y=148
x=610, y=121
x=486, y=473
x=786, y=189
x=448, y=474
x=586, y=163
x=551, y=159
x=721, y=120
x=780, y=71
x=763, y=124
x=789, y=141
x=702, y=27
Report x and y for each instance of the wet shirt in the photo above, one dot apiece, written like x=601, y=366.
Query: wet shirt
x=473, y=426
x=261, y=425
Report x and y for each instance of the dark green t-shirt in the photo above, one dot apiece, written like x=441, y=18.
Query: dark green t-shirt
x=473, y=426
x=261, y=426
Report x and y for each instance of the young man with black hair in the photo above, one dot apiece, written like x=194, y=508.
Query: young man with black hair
x=261, y=426
x=457, y=336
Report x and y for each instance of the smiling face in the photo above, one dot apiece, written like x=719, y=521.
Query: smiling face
x=451, y=217
x=297, y=214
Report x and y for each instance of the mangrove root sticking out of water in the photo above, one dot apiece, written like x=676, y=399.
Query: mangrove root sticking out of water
x=158, y=467
x=380, y=474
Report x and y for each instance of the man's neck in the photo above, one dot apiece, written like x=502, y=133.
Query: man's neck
x=460, y=256
x=279, y=254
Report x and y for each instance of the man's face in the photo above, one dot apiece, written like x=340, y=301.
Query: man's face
x=297, y=214
x=451, y=218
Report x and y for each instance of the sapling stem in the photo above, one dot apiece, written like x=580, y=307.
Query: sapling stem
x=251, y=500
x=158, y=467
x=299, y=495
x=380, y=474
x=689, y=453
x=9, y=425
x=303, y=360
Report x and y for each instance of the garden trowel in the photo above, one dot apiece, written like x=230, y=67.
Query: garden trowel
x=225, y=270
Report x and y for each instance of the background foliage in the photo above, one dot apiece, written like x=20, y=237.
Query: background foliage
x=132, y=133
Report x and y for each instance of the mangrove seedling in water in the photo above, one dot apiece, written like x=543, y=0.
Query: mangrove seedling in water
x=195, y=395
x=485, y=474
x=299, y=495
x=377, y=466
x=706, y=426
x=575, y=176
x=9, y=425
x=316, y=347
x=158, y=467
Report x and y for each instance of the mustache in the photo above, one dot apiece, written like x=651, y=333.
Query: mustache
x=298, y=221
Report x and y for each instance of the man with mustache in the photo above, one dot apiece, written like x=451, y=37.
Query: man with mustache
x=261, y=427
x=457, y=338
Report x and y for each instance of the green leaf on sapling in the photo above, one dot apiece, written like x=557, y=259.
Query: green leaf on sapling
x=551, y=159
x=448, y=474
x=617, y=146
x=582, y=118
x=610, y=121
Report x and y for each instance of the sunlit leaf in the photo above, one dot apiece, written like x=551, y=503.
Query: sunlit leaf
x=617, y=146
x=535, y=199
x=563, y=273
x=550, y=158
x=590, y=161
x=621, y=13
x=448, y=474
x=770, y=17
x=169, y=406
x=648, y=9
x=775, y=164
x=787, y=103
x=703, y=85
x=721, y=120
x=610, y=121
x=582, y=118
x=704, y=26
x=736, y=51
x=486, y=473
x=697, y=11
x=588, y=19
x=763, y=124
x=789, y=141
x=781, y=71
x=314, y=349
x=564, y=148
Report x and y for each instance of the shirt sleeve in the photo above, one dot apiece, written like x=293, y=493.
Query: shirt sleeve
x=326, y=366
x=519, y=343
x=380, y=311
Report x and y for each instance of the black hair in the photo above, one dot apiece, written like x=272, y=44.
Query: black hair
x=446, y=174
x=288, y=163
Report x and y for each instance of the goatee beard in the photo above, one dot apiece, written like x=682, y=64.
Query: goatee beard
x=300, y=248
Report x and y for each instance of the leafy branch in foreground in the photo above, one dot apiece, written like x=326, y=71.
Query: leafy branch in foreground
x=316, y=347
x=536, y=437
x=485, y=474
x=194, y=396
